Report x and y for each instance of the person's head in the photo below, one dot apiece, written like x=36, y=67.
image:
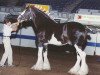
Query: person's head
x=6, y=21
x=10, y=18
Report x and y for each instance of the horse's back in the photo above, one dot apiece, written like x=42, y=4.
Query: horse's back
x=75, y=26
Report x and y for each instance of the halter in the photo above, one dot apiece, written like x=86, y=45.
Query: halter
x=33, y=15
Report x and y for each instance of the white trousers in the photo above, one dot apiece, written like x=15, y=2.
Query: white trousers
x=8, y=52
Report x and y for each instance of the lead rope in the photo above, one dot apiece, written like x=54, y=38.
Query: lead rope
x=20, y=47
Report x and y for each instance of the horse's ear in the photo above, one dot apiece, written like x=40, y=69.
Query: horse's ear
x=29, y=6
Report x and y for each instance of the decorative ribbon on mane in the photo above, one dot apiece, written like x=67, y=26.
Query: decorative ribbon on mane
x=29, y=5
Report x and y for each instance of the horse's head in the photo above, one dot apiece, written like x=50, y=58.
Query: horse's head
x=37, y=16
x=26, y=15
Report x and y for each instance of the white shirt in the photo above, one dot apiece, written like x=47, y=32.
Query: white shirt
x=7, y=30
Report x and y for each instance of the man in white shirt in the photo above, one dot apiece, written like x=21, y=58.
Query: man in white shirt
x=7, y=56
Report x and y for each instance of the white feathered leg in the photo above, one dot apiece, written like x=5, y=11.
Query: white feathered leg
x=46, y=64
x=39, y=63
x=84, y=67
x=76, y=67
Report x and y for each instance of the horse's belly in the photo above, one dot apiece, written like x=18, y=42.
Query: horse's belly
x=54, y=41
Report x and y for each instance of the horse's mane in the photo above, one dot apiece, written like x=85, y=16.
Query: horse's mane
x=43, y=13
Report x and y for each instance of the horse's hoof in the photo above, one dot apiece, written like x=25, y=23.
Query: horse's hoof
x=72, y=72
x=46, y=68
x=82, y=73
x=36, y=68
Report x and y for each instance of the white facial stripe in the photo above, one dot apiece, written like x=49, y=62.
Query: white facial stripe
x=23, y=12
x=21, y=15
x=30, y=13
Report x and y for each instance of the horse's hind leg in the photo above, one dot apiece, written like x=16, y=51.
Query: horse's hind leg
x=46, y=64
x=76, y=67
x=39, y=63
x=84, y=67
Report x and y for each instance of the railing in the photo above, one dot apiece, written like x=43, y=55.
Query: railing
x=88, y=4
x=12, y=10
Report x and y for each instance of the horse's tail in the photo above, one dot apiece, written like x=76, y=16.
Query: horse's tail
x=90, y=29
x=88, y=37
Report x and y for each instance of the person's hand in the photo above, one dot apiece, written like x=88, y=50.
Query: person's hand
x=14, y=26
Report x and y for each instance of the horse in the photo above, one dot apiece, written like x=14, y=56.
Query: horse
x=48, y=31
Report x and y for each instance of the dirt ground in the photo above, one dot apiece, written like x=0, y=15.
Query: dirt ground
x=61, y=62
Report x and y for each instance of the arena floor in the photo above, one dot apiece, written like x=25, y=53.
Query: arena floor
x=61, y=62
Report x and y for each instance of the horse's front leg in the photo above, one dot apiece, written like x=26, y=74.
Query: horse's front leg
x=46, y=64
x=39, y=63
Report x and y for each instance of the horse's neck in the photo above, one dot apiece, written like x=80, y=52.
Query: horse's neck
x=44, y=23
x=58, y=29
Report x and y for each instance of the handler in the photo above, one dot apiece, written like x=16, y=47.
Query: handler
x=8, y=55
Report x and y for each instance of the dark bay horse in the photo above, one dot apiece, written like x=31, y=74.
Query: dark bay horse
x=49, y=32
